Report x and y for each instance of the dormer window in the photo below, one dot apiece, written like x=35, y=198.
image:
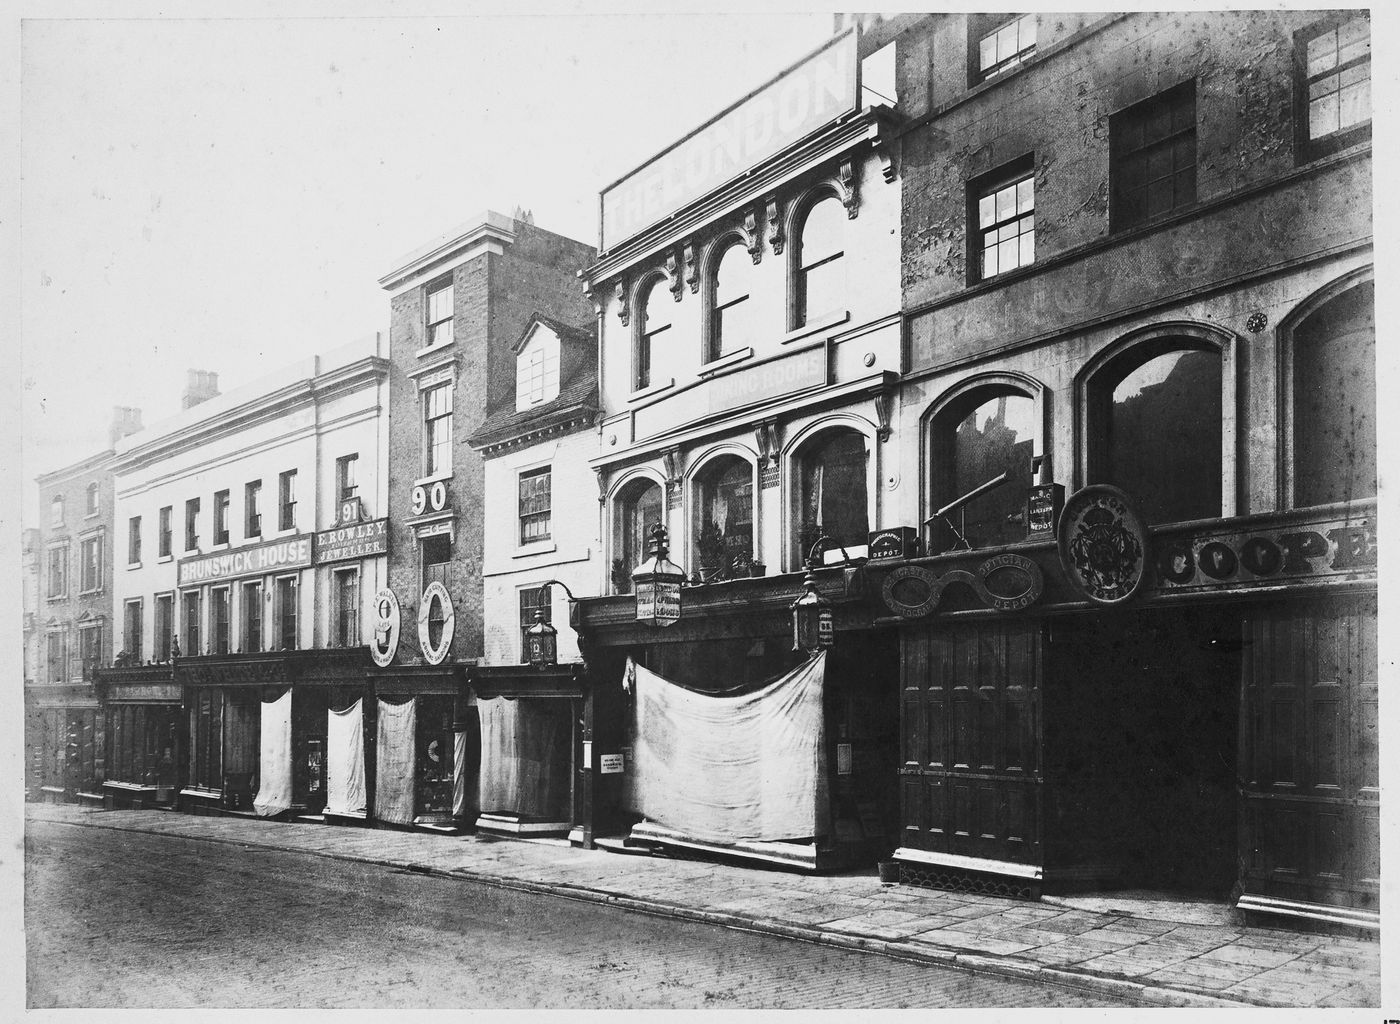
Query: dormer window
x=537, y=369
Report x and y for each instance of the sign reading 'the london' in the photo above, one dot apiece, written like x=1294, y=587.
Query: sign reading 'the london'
x=253, y=560
x=813, y=93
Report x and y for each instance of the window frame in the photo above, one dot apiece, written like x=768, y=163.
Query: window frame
x=703, y=481
x=165, y=532
x=286, y=500
x=432, y=469
x=981, y=27
x=250, y=618
x=97, y=542
x=221, y=629
x=534, y=514
x=133, y=541
x=192, y=524
x=58, y=664
x=192, y=600
x=89, y=646
x=800, y=272
x=162, y=652
x=1306, y=147
x=93, y=499
x=713, y=309
x=287, y=613
x=795, y=455
x=430, y=326
x=438, y=575
x=133, y=645
x=347, y=486
x=57, y=511
x=1139, y=113
x=622, y=503
x=1010, y=175
x=57, y=592
x=346, y=621
x=221, y=507
x=528, y=603
x=252, y=509
x=653, y=286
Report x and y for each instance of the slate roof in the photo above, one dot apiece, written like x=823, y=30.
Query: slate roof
x=573, y=408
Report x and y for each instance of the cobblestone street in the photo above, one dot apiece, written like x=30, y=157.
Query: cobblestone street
x=131, y=920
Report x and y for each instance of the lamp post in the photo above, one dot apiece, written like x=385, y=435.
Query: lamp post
x=813, y=627
x=657, y=584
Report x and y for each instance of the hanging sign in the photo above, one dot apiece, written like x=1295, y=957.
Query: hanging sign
x=386, y=628
x=435, y=596
x=1006, y=582
x=610, y=764
x=1103, y=544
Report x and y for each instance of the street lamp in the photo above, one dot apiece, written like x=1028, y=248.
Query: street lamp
x=657, y=584
x=542, y=639
x=813, y=627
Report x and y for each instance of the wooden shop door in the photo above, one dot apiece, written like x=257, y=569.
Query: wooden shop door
x=971, y=741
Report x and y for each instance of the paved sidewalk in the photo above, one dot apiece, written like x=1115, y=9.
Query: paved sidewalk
x=1143, y=955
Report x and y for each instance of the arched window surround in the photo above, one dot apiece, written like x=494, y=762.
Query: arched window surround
x=617, y=488
x=795, y=222
x=716, y=250
x=1284, y=332
x=791, y=490
x=958, y=400
x=1132, y=350
x=641, y=291
x=696, y=471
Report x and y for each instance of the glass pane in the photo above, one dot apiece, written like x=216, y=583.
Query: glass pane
x=726, y=502
x=1006, y=255
x=1353, y=38
x=990, y=267
x=1355, y=104
x=1334, y=395
x=986, y=211
x=733, y=328
x=996, y=437
x=1164, y=436
x=1352, y=75
x=1006, y=203
x=733, y=278
x=1323, y=116
x=1323, y=87
x=833, y=491
x=1027, y=24
x=825, y=290
x=658, y=310
x=824, y=231
x=1025, y=195
x=987, y=52
x=1322, y=53
x=1006, y=42
x=1028, y=248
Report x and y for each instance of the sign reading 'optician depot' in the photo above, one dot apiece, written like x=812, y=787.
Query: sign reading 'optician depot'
x=253, y=560
x=798, y=102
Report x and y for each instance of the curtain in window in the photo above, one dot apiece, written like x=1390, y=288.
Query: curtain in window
x=525, y=757
x=345, y=760
x=275, y=758
x=393, y=788
x=724, y=768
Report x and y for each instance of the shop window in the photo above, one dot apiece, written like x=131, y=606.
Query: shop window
x=194, y=619
x=437, y=430
x=164, y=625
x=251, y=603
x=652, y=320
x=534, y=503
x=165, y=541
x=287, y=613
x=439, y=327
x=1333, y=384
x=58, y=655
x=346, y=609
x=92, y=493
x=1004, y=208
x=537, y=371
x=731, y=325
x=978, y=436
x=221, y=503
x=219, y=619
x=56, y=510
x=346, y=484
x=90, y=647
x=192, y=524
x=1333, y=89
x=831, y=491
x=998, y=43
x=532, y=599
x=90, y=564
x=1152, y=157
x=820, y=284
x=252, y=509
x=724, y=529
x=133, y=540
x=1155, y=428
x=58, y=571
x=132, y=628
x=287, y=500
x=206, y=728
x=435, y=555
x=636, y=510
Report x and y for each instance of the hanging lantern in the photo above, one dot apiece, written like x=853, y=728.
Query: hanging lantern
x=542, y=643
x=813, y=627
x=657, y=584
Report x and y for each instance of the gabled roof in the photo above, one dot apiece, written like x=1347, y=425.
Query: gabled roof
x=579, y=335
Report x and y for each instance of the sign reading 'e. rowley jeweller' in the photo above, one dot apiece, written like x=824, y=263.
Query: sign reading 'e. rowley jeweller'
x=359, y=540
x=253, y=560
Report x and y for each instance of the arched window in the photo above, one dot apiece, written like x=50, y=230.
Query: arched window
x=977, y=437
x=831, y=490
x=636, y=509
x=820, y=283
x=731, y=309
x=724, y=523
x=653, y=318
x=1334, y=400
x=1156, y=429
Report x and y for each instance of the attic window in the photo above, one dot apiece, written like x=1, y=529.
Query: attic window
x=537, y=370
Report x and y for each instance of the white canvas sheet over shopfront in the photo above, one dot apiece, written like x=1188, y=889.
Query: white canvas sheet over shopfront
x=727, y=768
x=275, y=758
x=345, y=760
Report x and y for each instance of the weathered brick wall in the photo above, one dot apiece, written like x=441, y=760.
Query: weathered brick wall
x=77, y=524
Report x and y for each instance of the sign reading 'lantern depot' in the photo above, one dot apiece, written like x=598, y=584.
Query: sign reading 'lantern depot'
x=813, y=93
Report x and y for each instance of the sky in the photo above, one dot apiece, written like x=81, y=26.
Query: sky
x=223, y=193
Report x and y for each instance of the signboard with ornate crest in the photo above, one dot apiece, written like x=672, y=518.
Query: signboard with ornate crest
x=1103, y=544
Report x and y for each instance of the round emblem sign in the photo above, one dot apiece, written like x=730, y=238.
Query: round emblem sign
x=435, y=623
x=1103, y=544
x=386, y=628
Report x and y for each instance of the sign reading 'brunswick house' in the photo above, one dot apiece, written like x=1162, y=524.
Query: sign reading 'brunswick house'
x=340, y=544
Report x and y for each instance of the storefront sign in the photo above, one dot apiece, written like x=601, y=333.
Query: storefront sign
x=1330, y=548
x=812, y=94
x=344, y=543
x=772, y=379
x=253, y=560
x=898, y=542
x=658, y=603
x=1044, y=503
x=610, y=764
x=1103, y=544
x=386, y=628
x=436, y=605
x=1005, y=582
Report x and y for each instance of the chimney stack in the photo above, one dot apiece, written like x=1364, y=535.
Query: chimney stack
x=125, y=421
x=200, y=386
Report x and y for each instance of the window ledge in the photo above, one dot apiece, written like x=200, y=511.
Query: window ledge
x=444, y=476
x=164, y=558
x=441, y=346
x=831, y=320
x=133, y=565
x=726, y=361
x=652, y=389
x=543, y=547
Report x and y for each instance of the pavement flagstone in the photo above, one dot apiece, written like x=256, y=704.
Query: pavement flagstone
x=1205, y=959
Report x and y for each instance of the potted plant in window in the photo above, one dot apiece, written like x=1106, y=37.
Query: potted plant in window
x=709, y=548
x=621, y=577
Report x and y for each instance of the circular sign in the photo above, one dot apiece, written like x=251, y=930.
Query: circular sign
x=386, y=628
x=435, y=595
x=1009, y=582
x=911, y=591
x=1103, y=544
x=1217, y=561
